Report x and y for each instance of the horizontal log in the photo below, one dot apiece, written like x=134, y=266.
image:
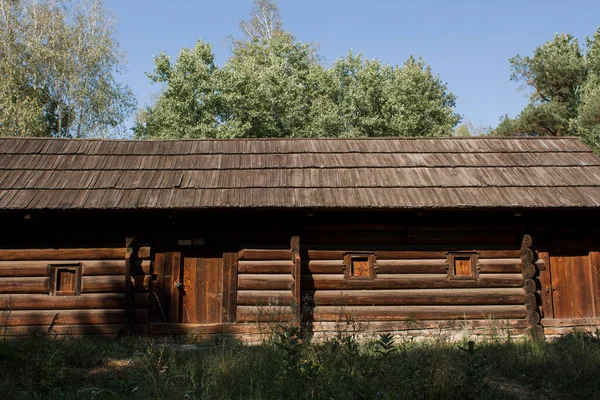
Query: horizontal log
x=382, y=313
x=265, y=267
x=415, y=266
x=570, y=322
x=66, y=330
x=315, y=255
x=259, y=254
x=89, y=267
x=143, y=253
x=205, y=329
x=263, y=313
x=69, y=317
x=24, y=285
x=264, y=297
x=265, y=282
x=63, y=254
x=418, y=297
x=112, y=284
x=540, y=264
x=429, y=266
x=395, y=326
x=323, y=267
x=410, y=281
x=499, y=265
x=84, y=301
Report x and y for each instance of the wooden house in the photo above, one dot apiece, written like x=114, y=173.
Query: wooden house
x=228, y=236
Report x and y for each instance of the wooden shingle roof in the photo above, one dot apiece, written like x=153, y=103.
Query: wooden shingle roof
x=290, y=173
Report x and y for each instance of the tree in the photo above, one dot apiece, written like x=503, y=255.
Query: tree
x=564, y=83
x=189, y=105
x=60, y=61
x=274, y=86
x=265, y=21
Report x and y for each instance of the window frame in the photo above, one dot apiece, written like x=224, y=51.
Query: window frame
x=54, y=270
x=451, y=258
x=349, y=257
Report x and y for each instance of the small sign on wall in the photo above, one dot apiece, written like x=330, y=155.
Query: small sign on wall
x=189, y=242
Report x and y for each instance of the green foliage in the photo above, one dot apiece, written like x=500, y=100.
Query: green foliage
x=564, y=79
x=386, y=344
x=286, y=367
x=86, y=368
x=58, y=61
x=274, y=86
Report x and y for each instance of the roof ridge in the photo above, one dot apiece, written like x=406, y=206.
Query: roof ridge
x=407, y=138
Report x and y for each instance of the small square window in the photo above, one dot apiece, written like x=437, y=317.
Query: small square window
x=65, y=279
x=462, y=265
x=359, y=266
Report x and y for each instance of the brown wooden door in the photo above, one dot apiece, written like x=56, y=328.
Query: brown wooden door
x=570, y=287
x=201, y=293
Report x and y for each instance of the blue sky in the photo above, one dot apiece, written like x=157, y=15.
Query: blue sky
x=466, y=42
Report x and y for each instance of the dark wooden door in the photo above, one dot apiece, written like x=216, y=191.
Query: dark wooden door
x=570, y=286
x=201, y=293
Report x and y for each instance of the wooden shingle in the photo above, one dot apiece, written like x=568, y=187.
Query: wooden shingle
x=288, y=173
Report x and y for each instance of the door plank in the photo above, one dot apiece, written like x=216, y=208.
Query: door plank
x=595, y=272
x=547, y=309
x=561, y=295
x=580, y=286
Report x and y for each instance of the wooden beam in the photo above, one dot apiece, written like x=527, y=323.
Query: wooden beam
x=531, y=286
x=297, y=277
x=129, y=288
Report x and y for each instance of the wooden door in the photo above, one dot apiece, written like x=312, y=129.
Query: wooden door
x=570, y=286
x=202, y=288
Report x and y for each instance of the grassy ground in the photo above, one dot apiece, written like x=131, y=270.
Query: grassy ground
x=285, y=367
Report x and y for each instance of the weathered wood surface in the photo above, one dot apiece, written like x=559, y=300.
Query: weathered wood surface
x=423, y=266
x=24, y=285
x=264, y=313
x=512, y=296
x=70, y=330
x=402, y=281
x=70, y=317
x=112, y=284
x=419, y=326
x=334, y=313
x=257, y=254
x=265, y=282
x=63, y=254
x=408, y=254
x=84, y=301
x=265, y=267
x=229, y=292
x=90, y=267
x=206, y=329
x=595, y=283
x=264, y=297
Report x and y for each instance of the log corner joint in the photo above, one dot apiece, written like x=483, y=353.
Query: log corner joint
x=531, y=286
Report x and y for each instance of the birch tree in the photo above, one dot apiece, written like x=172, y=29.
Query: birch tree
x=61, y=62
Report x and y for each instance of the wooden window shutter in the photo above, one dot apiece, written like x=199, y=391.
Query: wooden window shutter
x=65, y=279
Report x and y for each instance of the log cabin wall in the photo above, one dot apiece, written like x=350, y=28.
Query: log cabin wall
x=265, y=286
x=412, y=289
x=71, y=291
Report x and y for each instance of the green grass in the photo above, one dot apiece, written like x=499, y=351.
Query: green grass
x=286, y=367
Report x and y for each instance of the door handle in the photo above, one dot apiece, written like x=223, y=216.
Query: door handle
x=179, y=285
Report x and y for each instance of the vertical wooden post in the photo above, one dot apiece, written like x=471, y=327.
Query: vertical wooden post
x=129, y=288
x=297, y=275
x=230, y=269
x=531, y=285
